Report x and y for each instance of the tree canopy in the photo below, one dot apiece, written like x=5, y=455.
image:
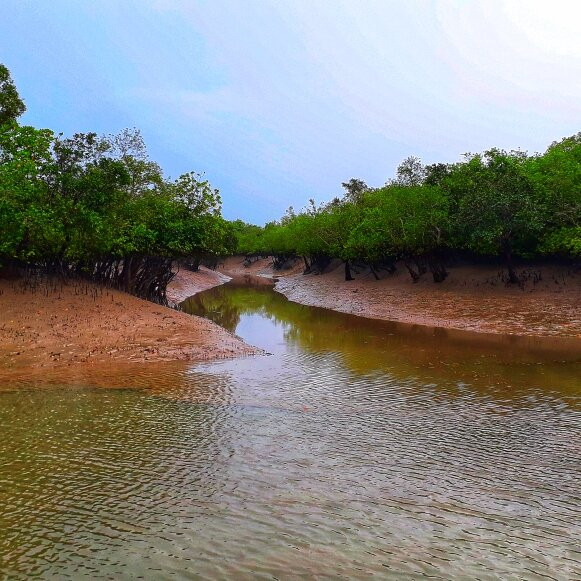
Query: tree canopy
x=11, y=105
x=496, y=204
x=97, y=206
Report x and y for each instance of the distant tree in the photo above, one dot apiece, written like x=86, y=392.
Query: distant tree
x=11, y=105
x=128, y=146
x=196, y=194
x=354, y=190
x=289, y=215
x=311, y=208
x=556, y=175
x=410, y=172
x=127, y=143
x=30, y=228
x=407, y=223
x=436, y=172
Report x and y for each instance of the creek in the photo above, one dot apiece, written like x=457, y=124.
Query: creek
x=354, y=448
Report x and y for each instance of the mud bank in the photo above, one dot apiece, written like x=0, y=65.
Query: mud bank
x=471, y=298
x=56, y=326
x=187, y=283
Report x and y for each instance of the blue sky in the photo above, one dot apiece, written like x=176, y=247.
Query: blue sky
x=278, y=101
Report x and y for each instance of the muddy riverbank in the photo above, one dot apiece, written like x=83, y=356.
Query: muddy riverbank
x=187, y=283
x=55, y=327
x=78, y=326
x=470, y=299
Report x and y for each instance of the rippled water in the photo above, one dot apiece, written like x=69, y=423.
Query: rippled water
x=357, y=448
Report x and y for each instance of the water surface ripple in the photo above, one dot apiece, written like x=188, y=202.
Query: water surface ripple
x=356, y=449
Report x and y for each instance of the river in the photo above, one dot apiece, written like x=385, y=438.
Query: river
x=352, y=449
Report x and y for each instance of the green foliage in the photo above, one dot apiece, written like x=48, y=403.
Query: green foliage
x=564, y=241
x=99, y=206
x=354, y=189
x=247, y=238
x=66, y=200
x=556, y=176
x=495, y=204
x=11, y=105
x=401, y=221
x=27, y=223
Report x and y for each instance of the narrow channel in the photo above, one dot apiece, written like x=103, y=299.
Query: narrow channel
x=353, y=448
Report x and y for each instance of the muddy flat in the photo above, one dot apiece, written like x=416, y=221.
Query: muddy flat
x=53, y=325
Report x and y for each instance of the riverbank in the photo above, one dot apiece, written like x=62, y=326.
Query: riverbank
x=187, y=283
x=472, y=298
x=53, y=326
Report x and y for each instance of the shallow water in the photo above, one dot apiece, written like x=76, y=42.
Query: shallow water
x=357, y=448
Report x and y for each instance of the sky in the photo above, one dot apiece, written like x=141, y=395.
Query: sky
x=279, y=101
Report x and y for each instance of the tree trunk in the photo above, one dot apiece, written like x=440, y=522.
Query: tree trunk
x=415, y=276
x=512, y=277
x=439, y=272
x=422, y=268
x=348, y=271
x=127, y=273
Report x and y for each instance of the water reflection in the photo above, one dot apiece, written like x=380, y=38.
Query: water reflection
x=431, y=355
x=357, y=449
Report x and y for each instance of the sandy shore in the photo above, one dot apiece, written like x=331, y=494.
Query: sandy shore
x=79, y=324
x=187, y=283
x=471, y=298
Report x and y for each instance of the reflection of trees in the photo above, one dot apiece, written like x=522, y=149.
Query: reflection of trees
x=227, y=303
x=443, y=356
x=427, y=353
x=213, y=305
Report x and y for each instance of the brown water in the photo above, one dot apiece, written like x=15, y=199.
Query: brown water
x=357, y=449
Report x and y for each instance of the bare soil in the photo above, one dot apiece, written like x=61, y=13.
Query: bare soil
x=187, y=283
x=58, y=326
x=56, y=329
